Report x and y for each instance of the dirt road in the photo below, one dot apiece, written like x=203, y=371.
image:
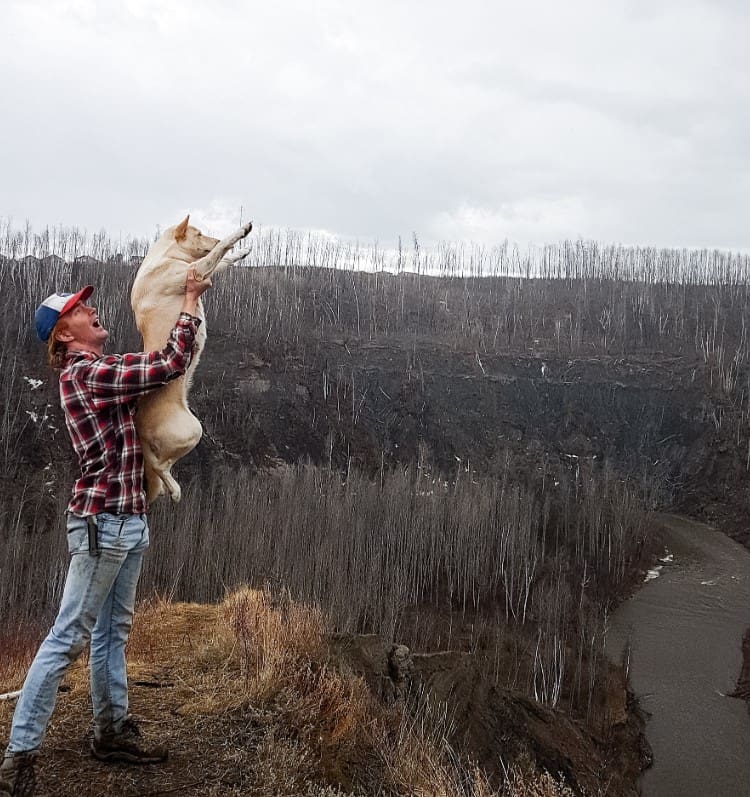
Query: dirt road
x=686, y=628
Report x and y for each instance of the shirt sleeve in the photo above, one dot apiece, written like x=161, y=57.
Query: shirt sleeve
x=117, y=378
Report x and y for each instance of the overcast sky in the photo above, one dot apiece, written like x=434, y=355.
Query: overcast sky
x=534, y=121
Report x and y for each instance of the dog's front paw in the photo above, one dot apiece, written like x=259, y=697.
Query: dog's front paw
x=235, y=257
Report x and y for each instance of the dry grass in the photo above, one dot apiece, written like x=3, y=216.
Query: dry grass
x=528, y=554
x=18, y=643
x=244, y=695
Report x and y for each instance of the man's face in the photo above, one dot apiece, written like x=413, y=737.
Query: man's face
x=80, y=328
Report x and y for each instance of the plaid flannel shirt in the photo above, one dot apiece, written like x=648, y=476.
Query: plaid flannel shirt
x=99, y=396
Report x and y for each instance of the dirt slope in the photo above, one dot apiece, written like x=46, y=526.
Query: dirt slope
x=283, y=717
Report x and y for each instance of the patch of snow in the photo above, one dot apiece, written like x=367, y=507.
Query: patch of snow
x=655, y=572
x=34, y=383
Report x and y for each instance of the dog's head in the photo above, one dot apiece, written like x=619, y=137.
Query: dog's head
x=191, y=240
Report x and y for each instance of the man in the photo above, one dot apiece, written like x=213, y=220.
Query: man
x=107, y=528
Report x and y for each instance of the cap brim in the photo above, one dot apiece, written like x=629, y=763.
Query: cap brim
x=81, y=296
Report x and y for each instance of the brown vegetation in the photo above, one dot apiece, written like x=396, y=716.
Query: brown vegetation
x=250, y=702
x=476, y=564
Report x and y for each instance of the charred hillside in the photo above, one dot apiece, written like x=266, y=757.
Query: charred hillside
x=373, y=370
x=381, y=370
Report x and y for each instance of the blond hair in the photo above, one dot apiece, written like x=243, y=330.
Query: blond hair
x=56, y=349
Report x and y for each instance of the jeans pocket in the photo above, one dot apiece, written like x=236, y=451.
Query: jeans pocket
x=78, y=540
x=109, y=527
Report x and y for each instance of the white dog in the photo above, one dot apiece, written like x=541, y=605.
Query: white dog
x=166, y=427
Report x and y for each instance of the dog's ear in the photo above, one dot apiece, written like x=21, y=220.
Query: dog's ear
x=180, y=231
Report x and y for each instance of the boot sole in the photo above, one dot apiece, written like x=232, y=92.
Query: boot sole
x=127, y=758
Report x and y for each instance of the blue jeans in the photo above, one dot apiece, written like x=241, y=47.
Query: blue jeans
x=97, y=605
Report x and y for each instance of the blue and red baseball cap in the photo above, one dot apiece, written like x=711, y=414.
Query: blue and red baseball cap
x=54, y=306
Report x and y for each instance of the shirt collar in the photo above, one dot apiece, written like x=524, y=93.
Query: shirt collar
x=75, y=354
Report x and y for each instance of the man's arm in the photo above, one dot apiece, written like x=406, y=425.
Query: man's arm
x=122, y=377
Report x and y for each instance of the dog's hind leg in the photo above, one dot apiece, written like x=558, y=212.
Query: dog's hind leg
x=178, y=436
x=172, y=485
x=208, y=264
x=152, y=472
x=159, y=479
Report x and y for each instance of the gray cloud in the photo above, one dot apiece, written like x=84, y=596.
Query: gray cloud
x=622, y=122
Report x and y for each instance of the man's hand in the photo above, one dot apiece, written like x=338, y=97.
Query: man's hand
x=194, y=285
x=194, y=289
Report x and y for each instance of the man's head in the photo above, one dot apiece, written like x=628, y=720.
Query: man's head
x=64, y=321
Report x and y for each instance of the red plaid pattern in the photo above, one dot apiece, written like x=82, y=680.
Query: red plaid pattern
x=99, y=397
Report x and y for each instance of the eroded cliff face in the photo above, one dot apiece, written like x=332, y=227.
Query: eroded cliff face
x=656, y=420
x=498, y=728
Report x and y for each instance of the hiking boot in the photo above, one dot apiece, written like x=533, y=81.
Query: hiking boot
x=17, y=775
x=128, y=745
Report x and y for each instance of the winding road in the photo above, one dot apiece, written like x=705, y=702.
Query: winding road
x=686, y=630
